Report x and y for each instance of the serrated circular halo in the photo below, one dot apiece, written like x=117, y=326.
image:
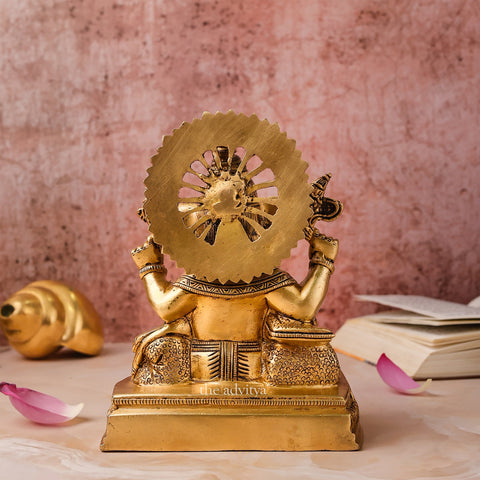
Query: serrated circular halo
x=227, y=196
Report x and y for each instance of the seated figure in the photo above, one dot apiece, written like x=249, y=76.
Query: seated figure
x=263, y=330
x=239, y=362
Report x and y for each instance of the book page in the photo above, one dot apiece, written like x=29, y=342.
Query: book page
x=432, y=307
x=433, y=337
x=475, y=303
x=410, y=318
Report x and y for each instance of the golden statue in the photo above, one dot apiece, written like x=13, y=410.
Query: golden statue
x=239, y=363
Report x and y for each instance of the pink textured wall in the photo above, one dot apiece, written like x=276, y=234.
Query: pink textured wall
x=384, y=94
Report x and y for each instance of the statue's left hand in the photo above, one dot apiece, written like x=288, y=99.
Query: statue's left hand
x=142, y=342
x=321, y=243
x=181, y=326
x=149, y=253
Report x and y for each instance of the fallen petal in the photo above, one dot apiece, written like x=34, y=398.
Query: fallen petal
x=396, y=378
x=39, y=407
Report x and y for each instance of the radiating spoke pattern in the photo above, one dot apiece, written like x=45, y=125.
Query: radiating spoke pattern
x=223, y=187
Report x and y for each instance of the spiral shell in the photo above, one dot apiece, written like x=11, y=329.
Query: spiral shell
x=46, y=315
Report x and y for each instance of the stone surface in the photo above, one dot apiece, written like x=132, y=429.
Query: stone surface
x=429, y=436
x=385, y=95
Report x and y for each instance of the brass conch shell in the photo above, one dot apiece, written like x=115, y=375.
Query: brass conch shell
x=45, y=316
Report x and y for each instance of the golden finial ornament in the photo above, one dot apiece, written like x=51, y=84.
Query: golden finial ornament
x=239, y=362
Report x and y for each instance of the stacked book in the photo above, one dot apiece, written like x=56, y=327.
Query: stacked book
x=426, y=337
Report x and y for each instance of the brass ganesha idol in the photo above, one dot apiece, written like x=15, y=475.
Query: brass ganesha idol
x=239, y=362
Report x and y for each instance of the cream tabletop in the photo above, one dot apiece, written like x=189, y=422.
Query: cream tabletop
x=429, y=436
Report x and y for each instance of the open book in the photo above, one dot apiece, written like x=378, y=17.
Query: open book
x=426, y=337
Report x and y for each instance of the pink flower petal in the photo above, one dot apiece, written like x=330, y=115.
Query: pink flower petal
x=396, y=378
x=38, y=407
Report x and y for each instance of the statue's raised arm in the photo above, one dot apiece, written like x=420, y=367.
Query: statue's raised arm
x=302, y=302
x=171, y=303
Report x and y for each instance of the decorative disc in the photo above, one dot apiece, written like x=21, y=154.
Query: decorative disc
x=227, y=196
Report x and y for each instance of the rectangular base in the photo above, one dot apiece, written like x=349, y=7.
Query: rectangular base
x=231, y=416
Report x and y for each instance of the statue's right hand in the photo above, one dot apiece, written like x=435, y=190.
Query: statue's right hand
x=148, y=253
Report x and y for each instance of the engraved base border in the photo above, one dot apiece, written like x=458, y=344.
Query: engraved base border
x=200, y=417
